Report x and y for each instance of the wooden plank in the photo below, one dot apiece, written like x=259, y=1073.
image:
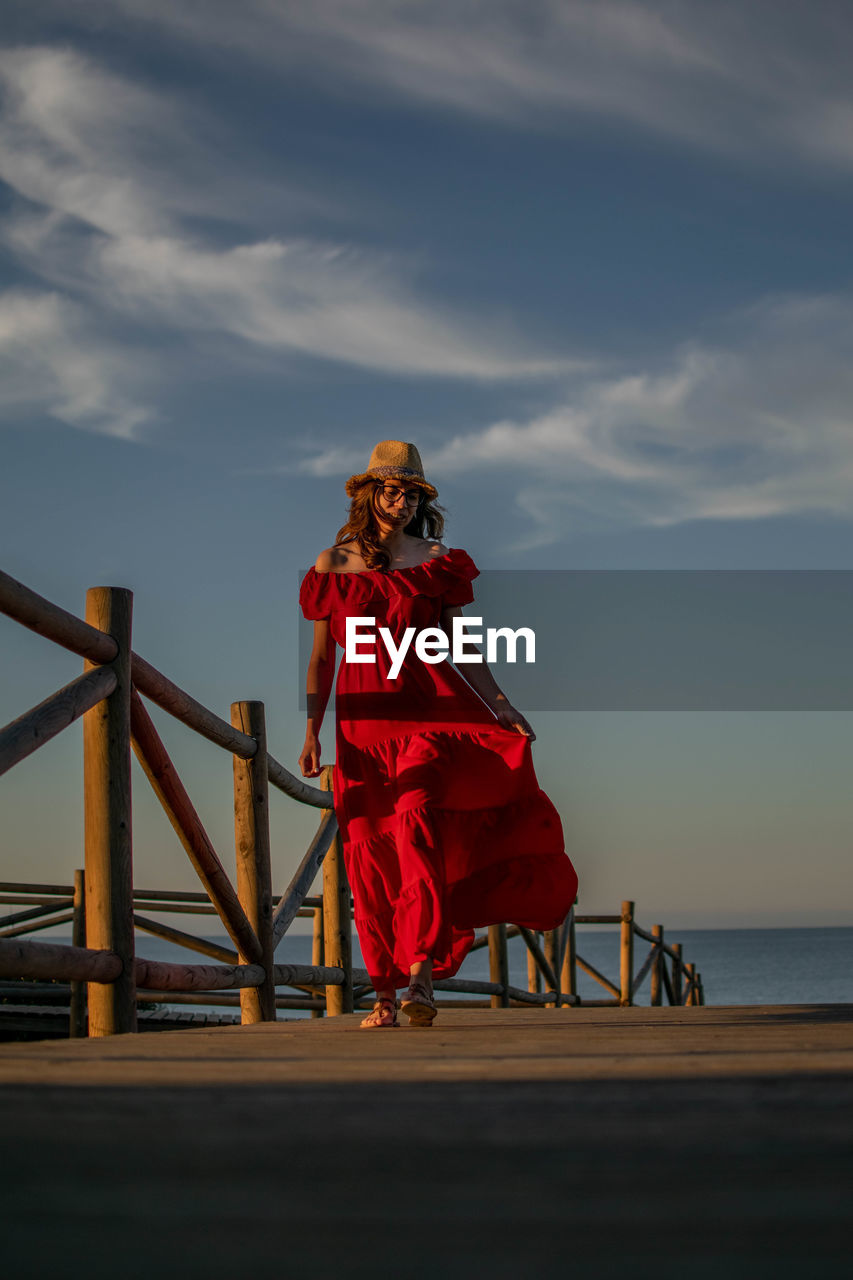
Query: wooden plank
x=108, y=828
x=293, y=896
x=252, y=841
x=179, y=809
x=38, y=725
x=48, y=620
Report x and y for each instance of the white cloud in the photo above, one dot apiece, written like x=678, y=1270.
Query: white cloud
x=112, y=172
x=52, y=361
x=767, y=80
x=759, y=425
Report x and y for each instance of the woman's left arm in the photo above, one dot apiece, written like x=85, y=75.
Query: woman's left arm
x=481, y=680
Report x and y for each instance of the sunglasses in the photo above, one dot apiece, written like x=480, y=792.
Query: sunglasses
x=392, y=493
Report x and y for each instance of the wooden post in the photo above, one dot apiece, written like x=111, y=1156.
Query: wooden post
x=626, y=954
x=569, y=977
x=655, y=977
x=317, y=949
x=252, y=839
x=677, y=973
x=534, y=977
x=336, y=917
x=107, y=804
x=551, y=947
x=499, y=964
x=691, y=999
x=77, y=1013
x=700, y=988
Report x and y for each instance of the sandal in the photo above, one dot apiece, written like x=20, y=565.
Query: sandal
x=383, y=1014
x=419, y=1006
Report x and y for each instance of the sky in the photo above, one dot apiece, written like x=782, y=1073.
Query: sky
x=592, y=257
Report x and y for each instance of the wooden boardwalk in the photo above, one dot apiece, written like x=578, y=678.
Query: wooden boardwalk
x=698, y=1142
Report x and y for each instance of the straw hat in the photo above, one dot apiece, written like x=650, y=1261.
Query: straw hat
x=393, y=460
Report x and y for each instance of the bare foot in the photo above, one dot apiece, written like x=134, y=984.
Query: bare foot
x=383, y=1014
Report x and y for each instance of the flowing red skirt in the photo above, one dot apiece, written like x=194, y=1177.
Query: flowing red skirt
x=443, y=823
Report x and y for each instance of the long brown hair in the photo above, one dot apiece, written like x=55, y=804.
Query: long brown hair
x=427, y=522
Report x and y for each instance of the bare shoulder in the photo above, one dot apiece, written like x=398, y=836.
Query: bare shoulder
x=431, y=548
x=340, y=559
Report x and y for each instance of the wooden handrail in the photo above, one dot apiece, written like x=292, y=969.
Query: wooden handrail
x=197, y=977
x=54, y=623
x=193, y=714
x=48, y=620
x=38, y=725
x=48, y=960
x=41, y=959
x=296, y=788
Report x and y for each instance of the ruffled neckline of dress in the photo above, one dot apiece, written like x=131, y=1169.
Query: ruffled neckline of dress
x=432, y=577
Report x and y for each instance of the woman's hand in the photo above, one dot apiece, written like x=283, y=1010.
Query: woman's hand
x=309, y=760
x=512, y=719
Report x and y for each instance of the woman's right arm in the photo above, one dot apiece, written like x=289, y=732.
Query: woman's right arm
x=321, y=673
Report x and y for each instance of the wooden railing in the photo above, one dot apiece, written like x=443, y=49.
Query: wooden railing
x=104, y=907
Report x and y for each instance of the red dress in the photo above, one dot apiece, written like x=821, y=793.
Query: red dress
x=443, y=824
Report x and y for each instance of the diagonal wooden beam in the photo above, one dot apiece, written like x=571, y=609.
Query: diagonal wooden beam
x=187, y=940
x=170, y=791
x=539, y=956
x=292, y=898
x=37, y=726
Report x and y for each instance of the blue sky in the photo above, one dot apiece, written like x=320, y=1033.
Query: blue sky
x=592, y=257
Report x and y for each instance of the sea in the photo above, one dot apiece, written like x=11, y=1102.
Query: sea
x=738, y=966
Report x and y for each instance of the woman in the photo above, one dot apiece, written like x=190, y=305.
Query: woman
x=443, y=825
